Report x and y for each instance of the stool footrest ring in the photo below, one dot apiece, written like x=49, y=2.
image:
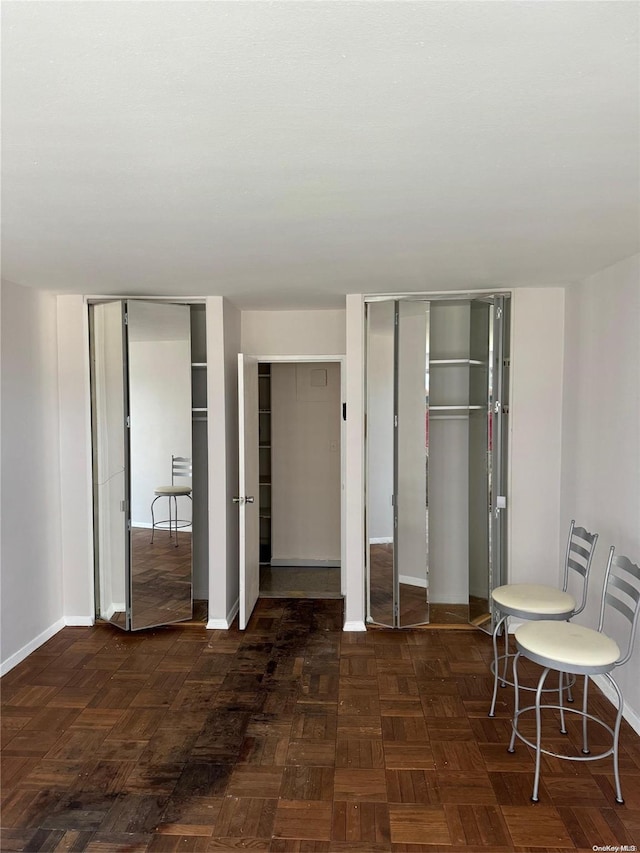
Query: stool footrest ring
x=506, y=683
x=520, y=736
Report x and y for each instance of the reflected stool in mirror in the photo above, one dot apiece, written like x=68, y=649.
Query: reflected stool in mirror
x=568, y=648
x=180, y=469
x=538, y=601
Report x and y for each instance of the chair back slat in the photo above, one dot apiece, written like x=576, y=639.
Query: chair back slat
x=623, y=608
x=619, y=583
x=580, y=547
x=577, y=549
x=180, y=467
x=621, y=591
x=577, y=567
x=625, y=564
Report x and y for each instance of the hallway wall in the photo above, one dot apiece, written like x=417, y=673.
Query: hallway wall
x=601, y=429
x=31, y=539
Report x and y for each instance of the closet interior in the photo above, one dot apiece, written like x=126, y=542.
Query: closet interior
x=299, y=411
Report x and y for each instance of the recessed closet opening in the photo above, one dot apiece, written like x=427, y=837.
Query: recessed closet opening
x=148, y=365
x=300, y=479
x=436, y=452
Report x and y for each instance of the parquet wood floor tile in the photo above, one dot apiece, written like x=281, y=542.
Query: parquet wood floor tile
x=290, y=737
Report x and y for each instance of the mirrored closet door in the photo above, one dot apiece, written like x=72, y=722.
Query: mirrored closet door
x=141, y=368
x=436, y=410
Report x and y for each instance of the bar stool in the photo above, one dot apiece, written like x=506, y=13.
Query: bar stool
x=537, y=601
x=181, y=468
x=569, y=648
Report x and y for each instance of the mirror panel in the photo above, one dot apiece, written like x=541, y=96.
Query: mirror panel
x=480, y=398
x=110, y=452
x=159, y=359
x=379, y=526
x=500, y=361
x=412, y=394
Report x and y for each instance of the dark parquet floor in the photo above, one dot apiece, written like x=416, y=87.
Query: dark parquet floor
x=291, y=736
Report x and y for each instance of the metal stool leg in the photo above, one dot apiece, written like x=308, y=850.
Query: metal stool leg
x=616, y=737
x=536, y=779
x=585, y=743
x=516, y=707
x=563, y=728
x=175, y=508
x=496, y=664
x=153, y=520
x=506, y=651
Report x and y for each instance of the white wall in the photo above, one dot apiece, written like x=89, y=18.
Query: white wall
x=305, y=464
x=160, y=406
x=75, y=460
x=533, y=500
x=31, y=545
x=293, y=332
x=601, y=429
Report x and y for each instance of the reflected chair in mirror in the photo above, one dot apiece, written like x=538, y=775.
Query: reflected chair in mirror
x=566, y=647
x=180, y=470
x=533, y=602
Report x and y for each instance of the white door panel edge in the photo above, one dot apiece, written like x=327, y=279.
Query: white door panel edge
x=249, y=552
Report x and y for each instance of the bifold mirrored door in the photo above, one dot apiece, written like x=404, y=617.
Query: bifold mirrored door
x=141, y=427
x=397, y=460
x=436, y=413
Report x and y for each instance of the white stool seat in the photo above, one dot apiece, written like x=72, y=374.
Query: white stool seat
x=532, y=599
x=566, y=646
x=172, y=490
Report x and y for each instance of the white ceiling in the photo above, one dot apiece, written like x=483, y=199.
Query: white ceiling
x=284, y=154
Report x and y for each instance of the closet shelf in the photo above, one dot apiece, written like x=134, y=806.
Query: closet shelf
x=198, y=364
x=461, y=407
x=446, y=362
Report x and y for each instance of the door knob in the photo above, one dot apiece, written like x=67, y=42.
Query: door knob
x=249, y=499
x=238, y=500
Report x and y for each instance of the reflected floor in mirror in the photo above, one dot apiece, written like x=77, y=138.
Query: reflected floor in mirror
x=161, y=578
x=299, y=582
x=413, y=607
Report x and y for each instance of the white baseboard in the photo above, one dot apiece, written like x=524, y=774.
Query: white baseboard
x=115, y=607
x=224, y=624
x=381, y=540
x=146, y=525
x=355, y=625
x=629, y=714
x=411, y=581
x=31, y=646
x=285, y=562
x=79, y=621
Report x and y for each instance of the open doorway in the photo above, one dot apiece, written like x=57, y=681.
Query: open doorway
x=300, y=479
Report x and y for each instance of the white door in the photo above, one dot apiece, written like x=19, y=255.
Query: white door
x=248, y=499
